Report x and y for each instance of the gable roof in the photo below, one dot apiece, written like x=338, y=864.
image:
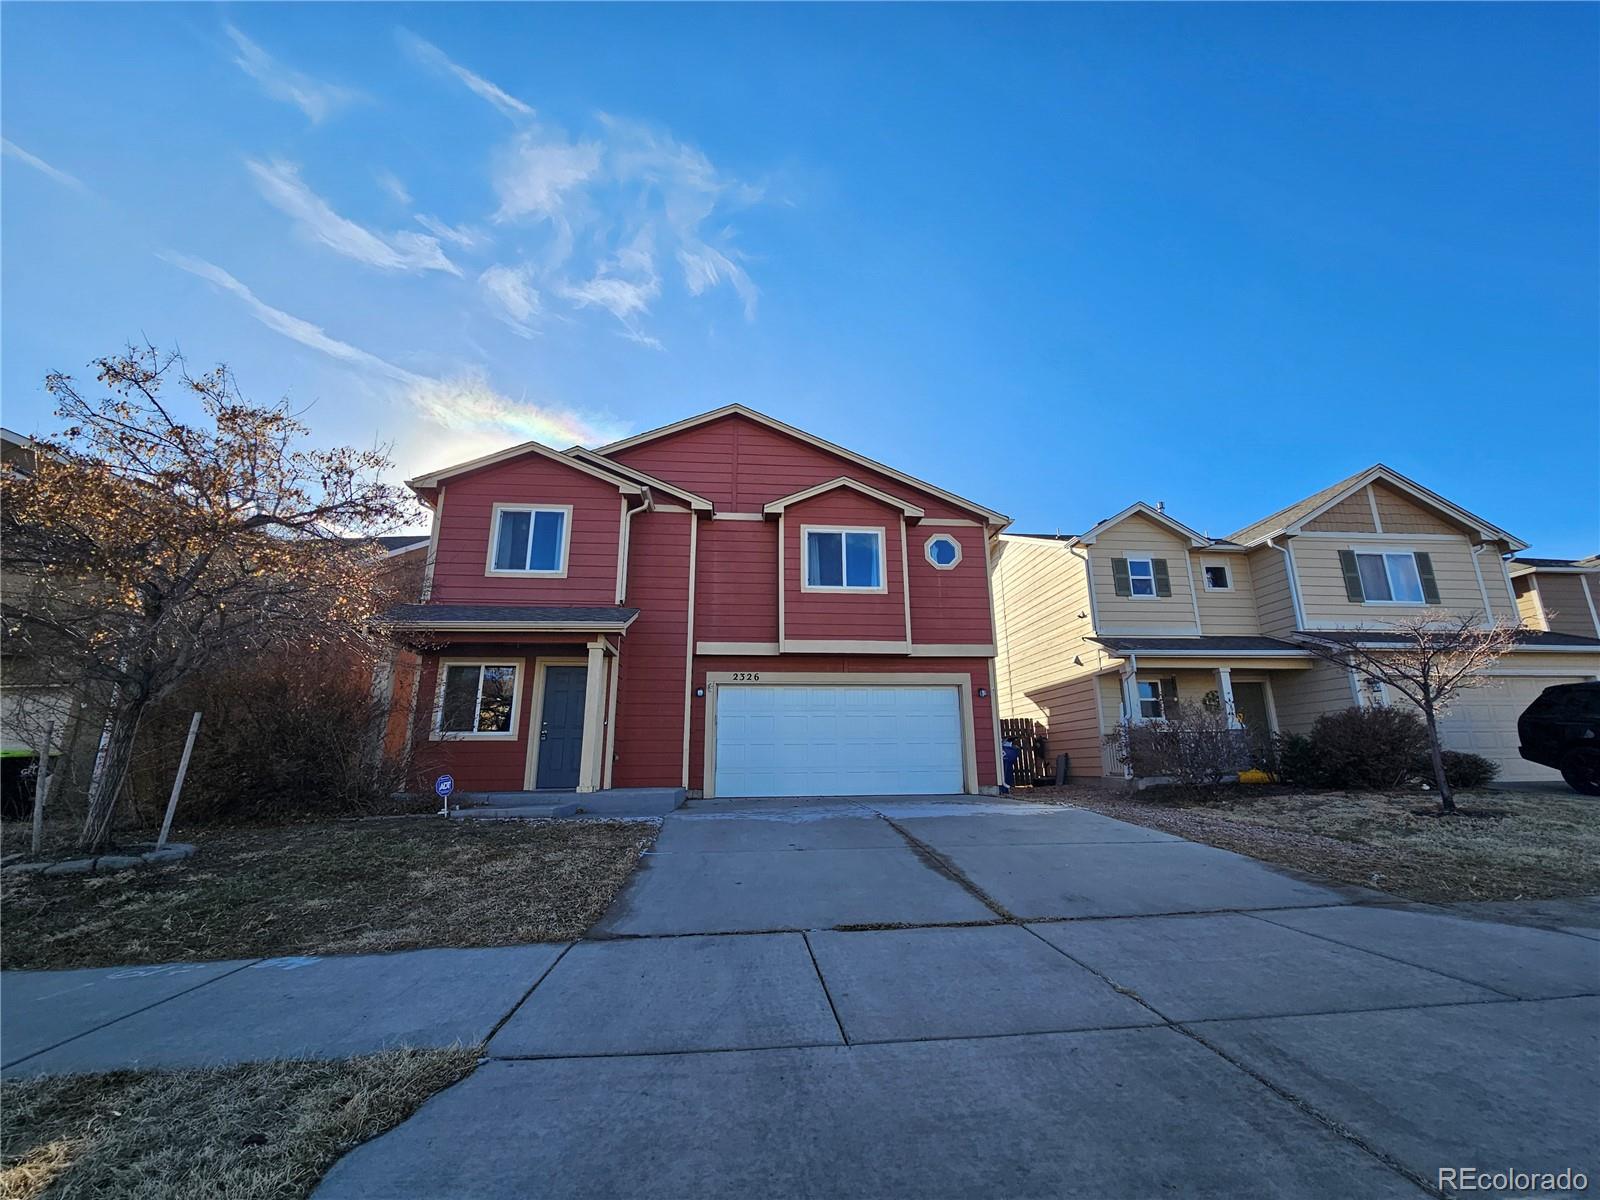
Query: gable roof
x=693, y=499
x=783, y=502
x=990, y=516
x=433, y=479
x=1140, y=509
x=1290, y=519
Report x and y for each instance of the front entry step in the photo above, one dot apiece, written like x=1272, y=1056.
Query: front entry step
x=609, y=802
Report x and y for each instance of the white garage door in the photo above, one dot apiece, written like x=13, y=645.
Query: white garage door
x=838, y=741
x=1484, y=721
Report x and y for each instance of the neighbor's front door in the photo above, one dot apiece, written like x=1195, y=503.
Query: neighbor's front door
x=1250, y=705
x=560, y=731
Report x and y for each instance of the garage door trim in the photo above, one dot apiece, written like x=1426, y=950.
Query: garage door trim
x=960, y=681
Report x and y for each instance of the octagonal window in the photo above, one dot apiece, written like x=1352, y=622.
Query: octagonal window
x=943, y=551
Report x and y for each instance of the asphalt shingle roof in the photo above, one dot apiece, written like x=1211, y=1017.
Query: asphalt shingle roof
x=507, y=614
x=1218, y=644
x=1527, y=637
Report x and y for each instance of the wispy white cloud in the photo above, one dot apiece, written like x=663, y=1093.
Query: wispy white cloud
x=391, y=183
x=466, y=404
x=460, y=235
x=622, y=193
x=318, y=100
x=38, y=164
x=430, y=55
x=281, y=185
x=540, y=172
x=512, y=296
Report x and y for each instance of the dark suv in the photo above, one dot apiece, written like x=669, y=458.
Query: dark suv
x=1561, y=729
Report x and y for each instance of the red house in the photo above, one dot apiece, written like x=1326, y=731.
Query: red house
x=726, y=605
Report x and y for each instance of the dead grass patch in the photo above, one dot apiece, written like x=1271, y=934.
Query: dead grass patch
x=342, y=887
x=1545, y=845
x=262, y=1131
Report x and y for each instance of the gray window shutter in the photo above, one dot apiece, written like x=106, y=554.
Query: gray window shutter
x=1430, y=585
x=1119, y=577
x=1163, y=581
x=1352, y=577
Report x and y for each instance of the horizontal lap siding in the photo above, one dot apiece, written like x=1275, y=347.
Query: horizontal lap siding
x=736, y=583
x=1231, y=612
x=1138, y=537
x=1269, y=575
x=1300, y=697
x=1322, y=582
x=1045, y=669
x=1401, y=514
x=949, y=608
x=846, y=665
x=739, y=465
x=465, y=527
x=476, y=766
x=1565, y=607
x=650, y=698
x=843, y=616
x=1353, y=514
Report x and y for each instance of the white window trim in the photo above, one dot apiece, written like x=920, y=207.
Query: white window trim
x=1160, y=698
x=494, y=539
x=877, y=531
x=927, y=551
x=1151, y=563
x=1384, y=552
x=1205, y=579
x=438, y=734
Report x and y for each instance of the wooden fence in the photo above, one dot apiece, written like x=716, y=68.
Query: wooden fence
x=1033, y=762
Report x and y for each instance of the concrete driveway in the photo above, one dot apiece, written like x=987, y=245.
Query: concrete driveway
x=929, y=998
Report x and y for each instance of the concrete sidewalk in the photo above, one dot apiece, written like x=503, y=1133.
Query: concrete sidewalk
x=925, y=998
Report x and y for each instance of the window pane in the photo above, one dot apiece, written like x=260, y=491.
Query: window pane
x=861, y=559
x=1217, y=578
x=942, y=551
x=1403, y=577
x=1140, y=566
x=824, y=560
x=546, y=552
x=1374, y=579
x=511, y=546
x=494, y=709
x=1142, y=587
x=460, y=696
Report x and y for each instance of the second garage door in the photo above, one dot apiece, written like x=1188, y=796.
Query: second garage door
x=1484, y=721
x=838, y=741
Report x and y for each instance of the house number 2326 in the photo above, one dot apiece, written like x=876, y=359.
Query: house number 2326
x=747, y=677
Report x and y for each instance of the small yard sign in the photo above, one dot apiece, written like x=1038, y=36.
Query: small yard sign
x=444, y=785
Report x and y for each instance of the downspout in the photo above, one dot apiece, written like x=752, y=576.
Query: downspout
x=1294, y=584
x=648, y=504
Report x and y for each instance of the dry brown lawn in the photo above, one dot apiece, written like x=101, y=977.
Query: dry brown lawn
x=263, y=1131
x=340, y=887
x=1544, y=845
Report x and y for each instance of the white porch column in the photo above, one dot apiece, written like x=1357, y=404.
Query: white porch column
x=594, y=717
x=1225, y=690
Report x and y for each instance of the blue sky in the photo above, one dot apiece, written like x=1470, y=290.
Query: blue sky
x=1053, y=258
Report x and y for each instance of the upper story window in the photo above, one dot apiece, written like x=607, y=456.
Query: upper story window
x=843, y=559
x=1142, y=578
x=1388, y=577
x=1217, y=578
x=530, y=539
x=943, y=551
x=477, y=699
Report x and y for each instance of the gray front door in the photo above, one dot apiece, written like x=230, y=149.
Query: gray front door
x=560, y=731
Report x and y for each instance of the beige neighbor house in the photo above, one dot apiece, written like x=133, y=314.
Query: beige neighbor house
x=1140, y=611
x=1561, y=595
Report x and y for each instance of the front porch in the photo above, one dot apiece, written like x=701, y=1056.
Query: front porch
x=1245, y=684
x=517, y=704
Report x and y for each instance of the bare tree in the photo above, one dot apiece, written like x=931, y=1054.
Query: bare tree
x=1429, y=658
x=141, y=548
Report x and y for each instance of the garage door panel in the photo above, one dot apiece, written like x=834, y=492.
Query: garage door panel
x=1483, y=721
x=838, y=740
